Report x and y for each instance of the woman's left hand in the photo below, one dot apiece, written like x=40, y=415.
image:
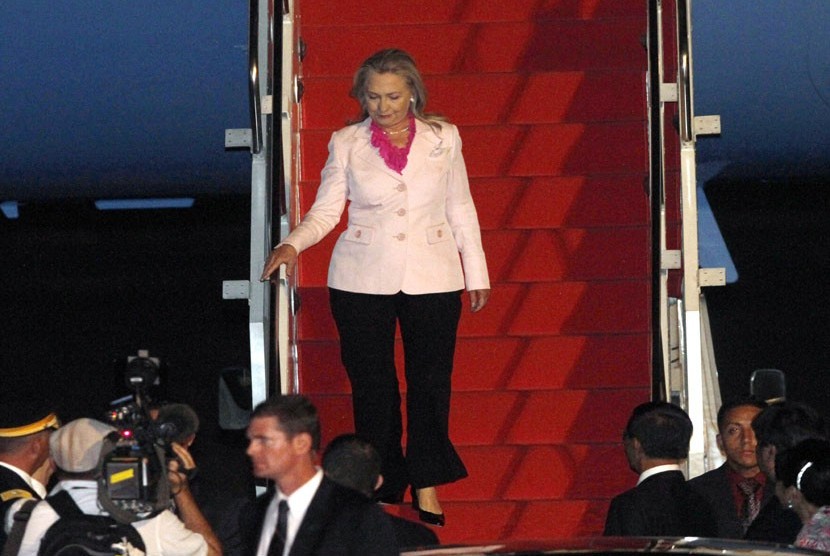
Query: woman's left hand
x=478, y=299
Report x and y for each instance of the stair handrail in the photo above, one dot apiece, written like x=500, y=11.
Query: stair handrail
x=253, y=78
x=684, y=77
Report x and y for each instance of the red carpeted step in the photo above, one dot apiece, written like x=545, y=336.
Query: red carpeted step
x=546, y=45
x=565, y=149
x=558, y=519
x=484, y=364
x=541, y=417
x=565, y=308
x=363, y=13
x=581, y=362
x=442, y=11
x=580, y=201
x=569, y=255
x=579, y=97
x=339, y=50
x=490, y=468
x=560, y=45
x=576, y=468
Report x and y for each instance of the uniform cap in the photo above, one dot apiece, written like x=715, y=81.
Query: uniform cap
x=18, y=419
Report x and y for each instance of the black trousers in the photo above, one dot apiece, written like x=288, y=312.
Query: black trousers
x=429, y=323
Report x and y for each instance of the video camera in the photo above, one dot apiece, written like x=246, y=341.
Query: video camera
x=133, y=482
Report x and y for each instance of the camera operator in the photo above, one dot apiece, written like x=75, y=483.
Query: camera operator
x=76, y=449
x=176, y=422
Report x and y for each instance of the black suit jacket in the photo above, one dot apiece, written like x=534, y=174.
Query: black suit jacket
x=662, y=505
x=339, y=522
x=716, y=487
x=410, y=534
x=12, y=488
x=774, y=523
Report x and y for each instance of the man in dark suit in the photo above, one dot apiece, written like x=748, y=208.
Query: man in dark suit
x=737, y=489
x=307, y=514
x=656, y=440
x=777, y=428
x=353, y=462
x=25, y=466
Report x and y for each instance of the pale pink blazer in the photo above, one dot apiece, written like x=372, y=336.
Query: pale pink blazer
x=409, y=232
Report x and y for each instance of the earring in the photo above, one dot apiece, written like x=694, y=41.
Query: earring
x=789, y=504
x=411, y=99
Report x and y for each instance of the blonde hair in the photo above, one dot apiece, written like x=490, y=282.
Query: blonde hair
x=400, y=63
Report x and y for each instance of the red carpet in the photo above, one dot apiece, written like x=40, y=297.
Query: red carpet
x=550, y=100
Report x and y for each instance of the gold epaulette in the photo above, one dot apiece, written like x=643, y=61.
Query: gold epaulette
x=15, y=493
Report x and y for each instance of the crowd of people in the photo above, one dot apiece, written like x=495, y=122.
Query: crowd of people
x=308, y=509
x=411, y=247
x=774, y=485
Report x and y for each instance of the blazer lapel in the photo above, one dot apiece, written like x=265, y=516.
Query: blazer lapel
x=425, y=144
x=368, y=153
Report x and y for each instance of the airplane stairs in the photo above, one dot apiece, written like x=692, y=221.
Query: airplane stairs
x=550, y=100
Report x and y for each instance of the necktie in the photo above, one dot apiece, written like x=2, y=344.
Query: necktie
x=277, y=546
x=749, y=488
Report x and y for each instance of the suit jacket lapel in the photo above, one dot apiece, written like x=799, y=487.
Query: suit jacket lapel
x=314, y=523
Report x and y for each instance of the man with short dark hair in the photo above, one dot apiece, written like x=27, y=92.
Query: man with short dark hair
x=777, y=428
x=353, y=462
x=656, y=440
x=737, y=489
x=308, y=514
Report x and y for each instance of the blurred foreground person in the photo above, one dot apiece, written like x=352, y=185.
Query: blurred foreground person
x=803, y=484
x=656, y=440
x=307, y=514
x=778, y=428
x=353, y=462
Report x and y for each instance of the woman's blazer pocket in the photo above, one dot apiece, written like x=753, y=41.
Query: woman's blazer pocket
x=438, y=233
x=358, y=233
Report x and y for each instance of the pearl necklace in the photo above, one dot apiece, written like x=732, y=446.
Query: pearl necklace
x=404, y=130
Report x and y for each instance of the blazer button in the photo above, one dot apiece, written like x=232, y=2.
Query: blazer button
x=400, y=237
x=401, y=212
x=401, y=187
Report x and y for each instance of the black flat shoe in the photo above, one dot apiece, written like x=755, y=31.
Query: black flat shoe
x=427, y=517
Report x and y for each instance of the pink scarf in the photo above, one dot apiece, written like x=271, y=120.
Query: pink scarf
x=394, y=157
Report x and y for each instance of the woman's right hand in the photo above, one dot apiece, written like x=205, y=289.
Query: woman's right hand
x=284, y=254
